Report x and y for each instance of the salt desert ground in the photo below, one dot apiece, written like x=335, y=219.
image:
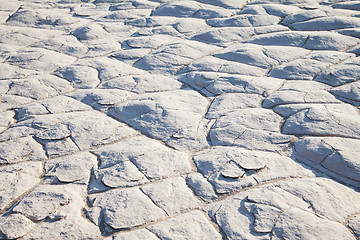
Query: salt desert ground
x=180, y=119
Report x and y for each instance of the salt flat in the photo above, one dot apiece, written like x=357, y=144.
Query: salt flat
x=179, y=119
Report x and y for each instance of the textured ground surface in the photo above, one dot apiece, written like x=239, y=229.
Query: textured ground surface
x=165, y=119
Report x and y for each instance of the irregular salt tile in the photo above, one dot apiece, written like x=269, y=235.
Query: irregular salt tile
x=143, y=4
x=67, y=221
x=250, y=128
x=171, y=57
x=189, y=25
x=170, y=116
x=66, y=44
x=309, y=40
x=239, y=216
x=6, y=119
x=225, y=35
x=21, y=149
x=229, y=102
x=103, y=46
x=351, y=5
x=92, y=129
x=337, y=75
x=153, y=159
x=244, y=20
x=354, y=32
x=17, y=38
x=43, y=18
x=319, y=120
x=101, y=99
x=17, y=179
x=332, y=57
x=55, y=148
x=143, y=83
x=265, y=217
x=326, y=23
x=123, y=15
x=280, y=10
x=178, y=9
x=90, y=32
x=109, y=68
x=8, y=71
x=225, y=3
x=354, y=224
x=349, y=91
x=301, y=92
x=172, y=195
x=75, y=168
x=257, y=167
x=329, y=41
x=300, y=69
x=63, y=104
x=15, y=226
x=142, y=234
x=290, y=109
x=303, y=16
x=260, y=56
x=153, y=41
x=41, y=203
x=213, y=64
x=320, y=194
x=335, y=154
x=39, y=59
x=80, y=76
x=9, y=102
x=314, y=226
x=39, y=87
x=212, y=84
x=153, y=21
x=165, y=30
x=192, y=225
x=201, y=187
x=123, y=209
x=123, y=174
x=131, y=55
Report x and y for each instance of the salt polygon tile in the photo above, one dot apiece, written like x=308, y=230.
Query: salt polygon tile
x=39, y=59
x=229, y=102
x=264, y=212
x=20, y=150
x=230, y=169
x=143, y=83
x=64, y=221
x=213, y=84
x=346, y=72
x=71, y=169
x=170, y=116
x=170, y=58
x=18, y=179
x=327, y=23
x=256, y=128
x=318, y=120
x=153, y=159
x=65, y=44
x=101, y=99
x=172, y=195
x=310, y=40
x=15, y=226
x=333, y=153
x=244, y=20
x=349, y=91
x=192, y=225
x=142, y=234
x=124, y=208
